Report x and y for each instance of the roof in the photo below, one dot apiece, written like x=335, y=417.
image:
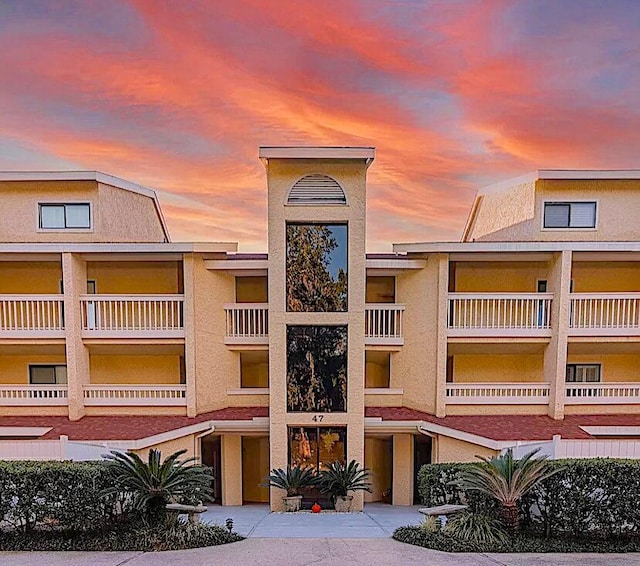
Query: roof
x=459, y=247
x=89, y=176
x=317, y=152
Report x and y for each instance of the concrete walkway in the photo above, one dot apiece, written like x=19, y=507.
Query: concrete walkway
x=255, y=521
x=304, y=552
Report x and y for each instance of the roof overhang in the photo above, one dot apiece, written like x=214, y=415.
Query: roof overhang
x=511, y=247
x=23, y=431
x=119, y=248
x=367, y=154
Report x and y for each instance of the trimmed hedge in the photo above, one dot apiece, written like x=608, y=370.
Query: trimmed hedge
x=595, y=496
x=125, y=537
x=520, y=543
x=64, y=495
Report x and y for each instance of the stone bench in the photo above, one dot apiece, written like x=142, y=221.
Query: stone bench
x=192, y=511
x=442, y=511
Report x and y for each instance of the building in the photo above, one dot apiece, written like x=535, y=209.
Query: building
x=112, y=335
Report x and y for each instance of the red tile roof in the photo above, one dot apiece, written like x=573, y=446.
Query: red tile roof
x=494, y=427
x=128, y=427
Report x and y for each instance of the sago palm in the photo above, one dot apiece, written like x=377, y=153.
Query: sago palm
x=292, y=480
x=506, y=479
x=338, y=480
x=154, y=483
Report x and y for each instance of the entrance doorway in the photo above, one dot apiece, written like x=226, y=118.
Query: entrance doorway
x=210, y=449
x=378, y=458
x=422, y=446
x=255, y=468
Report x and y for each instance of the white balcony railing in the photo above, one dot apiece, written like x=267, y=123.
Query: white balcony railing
x=383, y=324
x=497, y=393
x=605, y=393
x=144, y=316
x=31, y=316
x=131, y=395
x=247, y=323
x=605, y=314
x=497, y=314
x=33, y=395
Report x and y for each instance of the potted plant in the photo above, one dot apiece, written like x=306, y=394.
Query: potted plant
x=292, y=480
x=340, y=479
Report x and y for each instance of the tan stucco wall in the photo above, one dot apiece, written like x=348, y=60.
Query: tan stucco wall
x=514, y=214
x=30, y=277
x=498, y=277
x=138, y=370
x=378, y=458
x=500, y=368
x=606, y=277
x=129, y=277
x=403, y=472
x=117, y=215
x=454, y=450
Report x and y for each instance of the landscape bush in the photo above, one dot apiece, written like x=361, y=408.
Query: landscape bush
x=585, y=498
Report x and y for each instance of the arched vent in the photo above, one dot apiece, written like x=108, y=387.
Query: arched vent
x=316, y=189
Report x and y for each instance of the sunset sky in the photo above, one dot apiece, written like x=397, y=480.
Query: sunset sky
x=453, y=94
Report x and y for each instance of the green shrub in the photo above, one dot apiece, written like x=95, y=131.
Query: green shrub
x=476, y=528
x=585, y=498
x=124, y=537
x=66, y=495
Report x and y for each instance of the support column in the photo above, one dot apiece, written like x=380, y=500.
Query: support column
x=74, y=277
x=555, y=354
x=402, y=490
x=231, y=456
x=189, y=333
x=441, y=334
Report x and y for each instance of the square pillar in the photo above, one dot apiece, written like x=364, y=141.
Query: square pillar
x=189, y=333
x=555, y=354
x=74, y=278
x=231, y=456
x=441, y=334
x=402, y=490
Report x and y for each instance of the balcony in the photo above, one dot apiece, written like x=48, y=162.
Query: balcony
x=602, y=393
x=246, y=323
x=499, y=315
x=497, y=393
x=33, y=395
x=383, y=324
x=135, y=395
x=31, y=316
x=132, y=316
x=605, y=314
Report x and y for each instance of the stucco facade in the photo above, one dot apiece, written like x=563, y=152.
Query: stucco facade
x=118, y=336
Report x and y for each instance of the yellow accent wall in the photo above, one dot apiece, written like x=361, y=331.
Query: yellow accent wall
x=128, y=277
x=498, y=368
x=135, y=370
x=615, y=367
x=30, y=277
x=377, y=369
x=14, y=369
x=499, y=276
x=252, y=290
x=380, y=289
x=378, y=457
x=254, y=368
x=255, y=468
x=454, y=450
x=606, y=277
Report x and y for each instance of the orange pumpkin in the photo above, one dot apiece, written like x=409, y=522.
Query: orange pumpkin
x=315, y=508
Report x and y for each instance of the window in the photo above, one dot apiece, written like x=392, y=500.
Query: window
x=589, y=373
x=316, y=369
x=569, y=214
x=317, y=267
x=47, y=374
x=317, y=447
x=65, y=216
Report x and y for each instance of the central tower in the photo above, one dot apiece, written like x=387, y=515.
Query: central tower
x=317, y=274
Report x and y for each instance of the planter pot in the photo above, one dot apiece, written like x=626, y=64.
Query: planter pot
x=343, y=504
x=292, y=504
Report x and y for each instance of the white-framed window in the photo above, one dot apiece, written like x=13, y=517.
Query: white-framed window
x=581, y=214
x=47, y=374
x=64, y=216
x=579, y=373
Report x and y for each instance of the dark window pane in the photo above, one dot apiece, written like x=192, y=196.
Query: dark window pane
x=556, y=215
x=316, y=267
x=317, y=447
x=42, y=375
x=316, y=368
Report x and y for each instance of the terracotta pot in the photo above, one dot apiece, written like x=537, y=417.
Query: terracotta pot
x=292, y=504
x=343, y=504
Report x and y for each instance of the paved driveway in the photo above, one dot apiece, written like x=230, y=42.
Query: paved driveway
x=255, y=521
x=306, y=552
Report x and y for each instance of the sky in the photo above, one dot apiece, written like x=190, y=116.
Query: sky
x=453, y=94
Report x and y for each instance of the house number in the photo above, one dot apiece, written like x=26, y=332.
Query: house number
x=317, y=418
